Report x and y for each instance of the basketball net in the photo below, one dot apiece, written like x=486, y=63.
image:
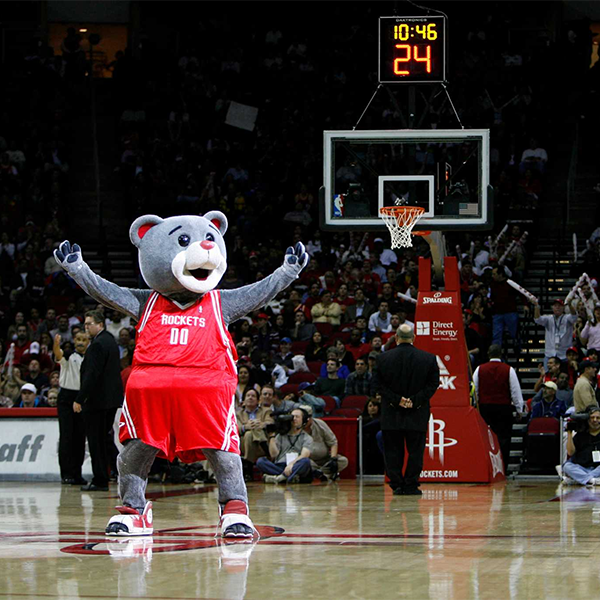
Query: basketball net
x=400, y=221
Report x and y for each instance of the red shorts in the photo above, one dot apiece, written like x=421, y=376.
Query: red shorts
x=180, y=410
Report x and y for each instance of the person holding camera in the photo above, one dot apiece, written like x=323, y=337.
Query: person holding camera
x=583, y=448
x=290, y=453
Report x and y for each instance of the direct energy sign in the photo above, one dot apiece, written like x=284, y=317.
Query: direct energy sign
x=438, y=329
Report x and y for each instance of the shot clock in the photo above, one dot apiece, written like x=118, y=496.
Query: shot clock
x=412, y=49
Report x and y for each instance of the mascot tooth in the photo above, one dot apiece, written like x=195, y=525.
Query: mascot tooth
x=180, y=394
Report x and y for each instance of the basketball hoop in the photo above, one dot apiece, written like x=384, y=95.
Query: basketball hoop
x=400, y=220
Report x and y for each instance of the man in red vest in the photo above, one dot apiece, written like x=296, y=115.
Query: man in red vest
x=499, y=391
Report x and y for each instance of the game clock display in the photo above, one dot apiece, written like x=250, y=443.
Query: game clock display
x=412, y=49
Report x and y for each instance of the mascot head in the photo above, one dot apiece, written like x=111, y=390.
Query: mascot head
x=179, y=254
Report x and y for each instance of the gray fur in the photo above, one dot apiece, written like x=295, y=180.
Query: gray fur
x=229, y=475
x=134, y=463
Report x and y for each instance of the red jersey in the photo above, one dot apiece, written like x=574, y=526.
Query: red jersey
x=180, y=394
x=196, y=336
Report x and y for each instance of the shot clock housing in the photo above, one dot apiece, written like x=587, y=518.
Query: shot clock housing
x=412, y=49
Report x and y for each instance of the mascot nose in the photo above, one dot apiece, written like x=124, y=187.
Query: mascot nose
x=207, y=244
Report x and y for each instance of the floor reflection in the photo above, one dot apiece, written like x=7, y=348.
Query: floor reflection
x=506, y=540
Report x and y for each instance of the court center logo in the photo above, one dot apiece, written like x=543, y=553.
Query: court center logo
x=437, y=440
x=423, y=328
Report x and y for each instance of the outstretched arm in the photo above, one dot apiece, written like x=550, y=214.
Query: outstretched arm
x=239, y=302
x=109, y=294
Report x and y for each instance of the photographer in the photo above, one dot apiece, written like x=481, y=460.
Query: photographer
x=290, y=452
x=584, y=449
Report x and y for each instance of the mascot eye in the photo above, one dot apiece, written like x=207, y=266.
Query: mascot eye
x=184, y=240
x=210, y=236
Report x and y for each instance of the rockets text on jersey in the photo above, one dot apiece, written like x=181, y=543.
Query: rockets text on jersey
x=194, y=336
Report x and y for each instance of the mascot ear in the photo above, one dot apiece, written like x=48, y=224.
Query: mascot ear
x=140, y=227
x=218, y=219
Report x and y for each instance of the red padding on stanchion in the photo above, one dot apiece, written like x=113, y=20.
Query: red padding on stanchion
x=346, y=431
x=21, y=413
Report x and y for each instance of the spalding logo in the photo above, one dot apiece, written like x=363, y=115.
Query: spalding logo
x=437, y=299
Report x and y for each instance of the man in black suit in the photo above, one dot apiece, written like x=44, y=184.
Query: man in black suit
x=407, y=378
x=100, y=395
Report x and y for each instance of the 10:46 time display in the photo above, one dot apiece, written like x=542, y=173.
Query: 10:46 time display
x=412, y=49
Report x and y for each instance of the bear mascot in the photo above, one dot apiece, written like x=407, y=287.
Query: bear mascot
x=179, y=401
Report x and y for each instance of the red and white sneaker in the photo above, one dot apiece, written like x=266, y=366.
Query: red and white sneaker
x=235, y=524
x=130, y=522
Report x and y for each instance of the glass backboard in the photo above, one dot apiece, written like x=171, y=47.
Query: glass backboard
x=444, y=171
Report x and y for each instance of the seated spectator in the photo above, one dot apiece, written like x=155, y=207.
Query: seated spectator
x=361, y=325
x=324, y=457
x=285, y=354
x=29, y=397
x=272, y=399
x=264, y=338
x=360, y=308
x=252, y=420
x=35, y=351
x=52, y=398
x=584, y=393
x=289, y=454
x=326, y=311
x=22, y=343
x=554, y=367
x=332, y=385
x=343, y=370
x=35, y=376
x=355, y=346
x=302, y=331
x=346, y=358
x=53, y=383
x=371, y=427
x=49, y=323
x=564, y=392
x=279, y=328
x=381, y=321
x=582, y=448
x=358, y=382
x=306, y=397
x=244, y=376
x=372, y=361
x=316, y=349
x=550, y=405
x=11, y=333
x=123, y=341
x=63, y=329
x=376, y=345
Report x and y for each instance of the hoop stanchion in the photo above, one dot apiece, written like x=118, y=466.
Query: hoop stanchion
x=400, y=221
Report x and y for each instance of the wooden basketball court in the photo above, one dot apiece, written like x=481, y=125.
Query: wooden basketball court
x=343, y=540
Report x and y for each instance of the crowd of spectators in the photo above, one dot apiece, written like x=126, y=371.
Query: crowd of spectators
x=176, y=155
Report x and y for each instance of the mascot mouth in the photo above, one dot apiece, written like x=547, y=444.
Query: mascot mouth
x=200, y=274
